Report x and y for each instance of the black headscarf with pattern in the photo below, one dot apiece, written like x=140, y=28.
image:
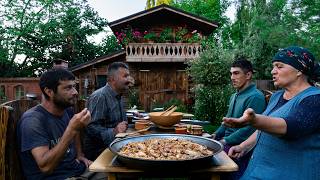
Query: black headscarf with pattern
x=301, y=59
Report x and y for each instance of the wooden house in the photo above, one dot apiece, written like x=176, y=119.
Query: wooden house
x=157, y=44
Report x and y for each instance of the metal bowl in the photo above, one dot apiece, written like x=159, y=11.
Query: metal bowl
x=139, y=163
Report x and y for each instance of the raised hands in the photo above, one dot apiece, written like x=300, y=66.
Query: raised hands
x=248, y=117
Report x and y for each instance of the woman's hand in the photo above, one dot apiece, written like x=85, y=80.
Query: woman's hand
x=248, y=117
x=237, y=151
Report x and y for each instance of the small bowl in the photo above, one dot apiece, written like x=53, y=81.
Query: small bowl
x=141, y=124
x=181, y=130
x=195, y=130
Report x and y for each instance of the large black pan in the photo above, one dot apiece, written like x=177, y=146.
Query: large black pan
x=139, y=163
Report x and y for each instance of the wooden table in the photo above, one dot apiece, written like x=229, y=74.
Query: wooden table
x=107, y=163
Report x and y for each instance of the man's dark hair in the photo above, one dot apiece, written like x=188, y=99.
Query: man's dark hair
x=59, y=61
x=244, y=64
x=113, y=67
x=51, y=79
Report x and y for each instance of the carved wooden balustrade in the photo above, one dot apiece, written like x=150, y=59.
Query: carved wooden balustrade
x=162, y=52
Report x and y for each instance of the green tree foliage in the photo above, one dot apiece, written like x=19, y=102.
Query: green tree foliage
x=262, y=27
x=150, y=4
x=37, y=31
x=213, y=10
x=153, y=3
x=159, y=2
x=259, y=30
x=306, y=17
x=211, y=74
x=210, y=9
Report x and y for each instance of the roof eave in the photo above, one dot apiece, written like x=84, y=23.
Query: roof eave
x=159, y=8
x=97, y=60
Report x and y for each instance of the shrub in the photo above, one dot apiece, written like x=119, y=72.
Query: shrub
x=210, y=72
x=181, y=107
x=212, y=102
x=133, y=98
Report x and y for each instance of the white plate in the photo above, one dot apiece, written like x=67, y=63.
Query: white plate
x=206, y=135
x=144, y=117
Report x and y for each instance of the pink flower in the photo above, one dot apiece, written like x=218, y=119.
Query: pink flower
x=136, y=33
x=305, y=56
x=289, y=53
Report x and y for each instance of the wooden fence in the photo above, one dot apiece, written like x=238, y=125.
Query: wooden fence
x=265, y=85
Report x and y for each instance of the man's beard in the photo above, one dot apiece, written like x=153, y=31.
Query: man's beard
x=62, y=103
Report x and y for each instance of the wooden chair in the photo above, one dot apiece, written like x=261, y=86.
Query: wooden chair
x=4, y=116
x=267, y=94
x=10, y=114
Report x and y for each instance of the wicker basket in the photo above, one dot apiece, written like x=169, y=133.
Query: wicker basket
x=165, y=121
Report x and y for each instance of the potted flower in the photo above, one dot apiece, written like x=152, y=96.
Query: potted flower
x=137, y=36
x=150, y=37
x=166, y=35
x=180, y=34
x=196, y=37
x=124, y=37
x=129, y=35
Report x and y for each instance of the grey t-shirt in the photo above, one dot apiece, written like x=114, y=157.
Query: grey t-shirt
x=38, y=127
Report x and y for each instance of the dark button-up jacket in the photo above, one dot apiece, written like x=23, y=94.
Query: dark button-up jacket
x=107, y=110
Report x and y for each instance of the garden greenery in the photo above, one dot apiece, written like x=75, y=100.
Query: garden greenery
x=181, y=107
x=210, y=72
x=133, y=98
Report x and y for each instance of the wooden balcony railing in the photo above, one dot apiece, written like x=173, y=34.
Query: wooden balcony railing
x=162, y=52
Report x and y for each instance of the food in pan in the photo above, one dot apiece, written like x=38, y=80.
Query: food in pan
x=165, y=149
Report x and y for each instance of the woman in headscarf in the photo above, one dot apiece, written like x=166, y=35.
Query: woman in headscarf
x=287, y=140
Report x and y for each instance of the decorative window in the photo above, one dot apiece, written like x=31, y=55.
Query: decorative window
x=101, y=81
x=19, y=91
x=2, y=92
